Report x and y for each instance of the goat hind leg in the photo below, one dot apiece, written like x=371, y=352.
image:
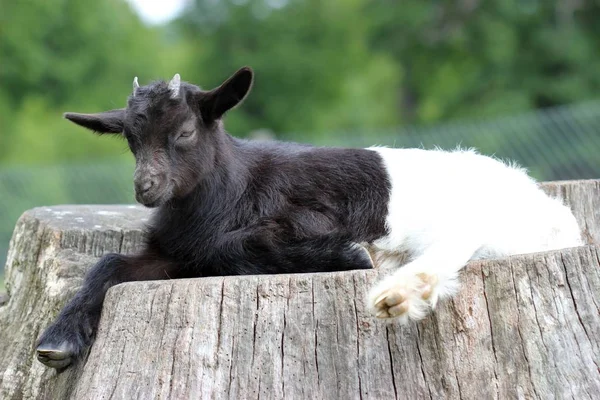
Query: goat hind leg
x=413, y=289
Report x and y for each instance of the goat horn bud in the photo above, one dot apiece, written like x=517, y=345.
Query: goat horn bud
x=174, y=86
x=135, y=85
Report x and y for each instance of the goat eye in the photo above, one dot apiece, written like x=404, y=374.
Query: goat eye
x=185, y=134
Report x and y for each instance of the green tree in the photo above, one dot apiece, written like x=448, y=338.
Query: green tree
x=476, y=58
x=314, y=70
x=68, y=55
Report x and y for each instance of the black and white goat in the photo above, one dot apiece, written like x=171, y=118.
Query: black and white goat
x=227, y=206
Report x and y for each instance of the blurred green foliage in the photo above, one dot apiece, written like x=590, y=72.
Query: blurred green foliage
x=345, y=72
x=321, y=65
x=69, y=55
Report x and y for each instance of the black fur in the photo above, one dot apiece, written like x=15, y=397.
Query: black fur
x=225, y=206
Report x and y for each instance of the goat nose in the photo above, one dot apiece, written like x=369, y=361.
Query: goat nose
x=146, y=185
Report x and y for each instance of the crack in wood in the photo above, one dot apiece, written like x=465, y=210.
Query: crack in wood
x=418, y=346
x=575, y=307
x=489, y=319
x=518, y=314
x=391, y=358
x=316, y=325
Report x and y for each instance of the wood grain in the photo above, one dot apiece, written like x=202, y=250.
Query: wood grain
x=524, y=327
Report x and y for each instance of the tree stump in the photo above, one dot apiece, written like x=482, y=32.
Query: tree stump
x=527, y=326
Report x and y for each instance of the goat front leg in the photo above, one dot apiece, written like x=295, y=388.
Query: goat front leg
x=74, y=329
x=415, y=288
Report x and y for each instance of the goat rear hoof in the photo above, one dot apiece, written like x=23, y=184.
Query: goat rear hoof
x=358, y=257
x=54, y=357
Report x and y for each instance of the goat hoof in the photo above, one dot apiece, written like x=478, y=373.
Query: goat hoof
x=54, y=357
x=405, y=295
x=359, y=257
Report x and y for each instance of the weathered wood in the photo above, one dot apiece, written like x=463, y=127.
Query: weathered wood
x=584, y=197
x=50, y=251
x=523, y=327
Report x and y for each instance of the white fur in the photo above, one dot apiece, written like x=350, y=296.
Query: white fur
x=449, y=207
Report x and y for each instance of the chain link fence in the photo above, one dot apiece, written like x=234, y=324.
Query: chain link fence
x=22, y=188
x=553, y=144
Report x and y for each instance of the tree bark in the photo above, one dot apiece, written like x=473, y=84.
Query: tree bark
x=527, y=326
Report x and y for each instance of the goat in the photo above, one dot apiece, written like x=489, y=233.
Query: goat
x=227, y=206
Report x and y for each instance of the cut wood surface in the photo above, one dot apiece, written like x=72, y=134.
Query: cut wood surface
x=523, y=327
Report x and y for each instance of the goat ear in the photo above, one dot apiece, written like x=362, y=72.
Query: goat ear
x=231, y=93
x=104, y=122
